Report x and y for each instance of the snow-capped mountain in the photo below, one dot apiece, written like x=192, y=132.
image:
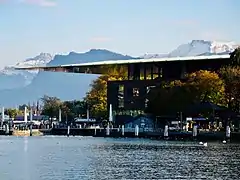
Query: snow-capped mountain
x=16, y=79
x=197, y=48
x=202, y=47
x=40, y=60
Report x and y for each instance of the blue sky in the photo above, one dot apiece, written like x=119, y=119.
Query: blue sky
x=134, y=27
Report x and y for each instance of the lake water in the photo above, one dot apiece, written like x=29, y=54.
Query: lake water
x=83, y=158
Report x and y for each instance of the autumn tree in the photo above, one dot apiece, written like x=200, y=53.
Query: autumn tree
x=96, y=98
x=206, y=86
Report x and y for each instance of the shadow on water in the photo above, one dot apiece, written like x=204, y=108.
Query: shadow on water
x=85, y=158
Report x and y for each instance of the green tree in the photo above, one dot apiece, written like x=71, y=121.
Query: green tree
x=51, y=106
x=13, y=112
x=73, y=109
x=175, y=96
x=169, y=98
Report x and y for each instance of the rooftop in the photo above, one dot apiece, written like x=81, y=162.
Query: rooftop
x=83, y=67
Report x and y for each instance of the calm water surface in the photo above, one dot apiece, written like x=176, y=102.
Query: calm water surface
x=83, y=158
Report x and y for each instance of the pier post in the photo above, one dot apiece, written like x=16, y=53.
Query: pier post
x=6, y=129
x=195, y=131
x=108, y=130
x=110, y=113
x=60, y=115
x=31, y=119
x=68, y=131
x=3, y=117
x=95, y=131
x=228, y=132
x=122, y=130
x=166, y=131
x=136, y=130
x=88, y=116
x=25, y=114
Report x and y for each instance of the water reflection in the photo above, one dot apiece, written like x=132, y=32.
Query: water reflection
x=83, y=158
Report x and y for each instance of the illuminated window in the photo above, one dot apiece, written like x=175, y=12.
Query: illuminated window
x=121, y=96
x=135, y=92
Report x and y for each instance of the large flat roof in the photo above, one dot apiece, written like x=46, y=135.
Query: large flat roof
x=90, y=65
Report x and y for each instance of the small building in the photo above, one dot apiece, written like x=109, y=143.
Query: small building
x=143, y=121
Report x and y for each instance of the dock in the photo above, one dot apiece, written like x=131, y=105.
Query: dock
x=150, y=133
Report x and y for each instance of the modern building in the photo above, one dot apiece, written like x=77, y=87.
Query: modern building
x=128, y=97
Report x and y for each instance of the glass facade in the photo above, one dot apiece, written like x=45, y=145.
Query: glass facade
x=121, y=96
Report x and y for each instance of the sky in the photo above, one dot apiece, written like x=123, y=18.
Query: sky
x=133, y=27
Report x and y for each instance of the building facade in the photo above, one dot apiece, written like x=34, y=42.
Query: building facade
x=129, y=97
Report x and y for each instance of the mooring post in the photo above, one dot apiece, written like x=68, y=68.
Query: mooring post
x=68, y=130
x=228, y=132
x=3, y=117
x=136, y=130
x=122, y=130
x=165, y=131
x=108, y=130
x=31, y=119
x=6, y=129
x=95, y=131
x=195, y=131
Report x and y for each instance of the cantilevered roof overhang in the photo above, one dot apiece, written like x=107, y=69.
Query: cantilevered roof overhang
x=100, y=66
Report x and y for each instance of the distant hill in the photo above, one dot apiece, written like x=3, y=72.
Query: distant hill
x=67, y=86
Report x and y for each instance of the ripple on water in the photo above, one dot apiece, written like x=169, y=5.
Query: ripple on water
x=102, y=158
